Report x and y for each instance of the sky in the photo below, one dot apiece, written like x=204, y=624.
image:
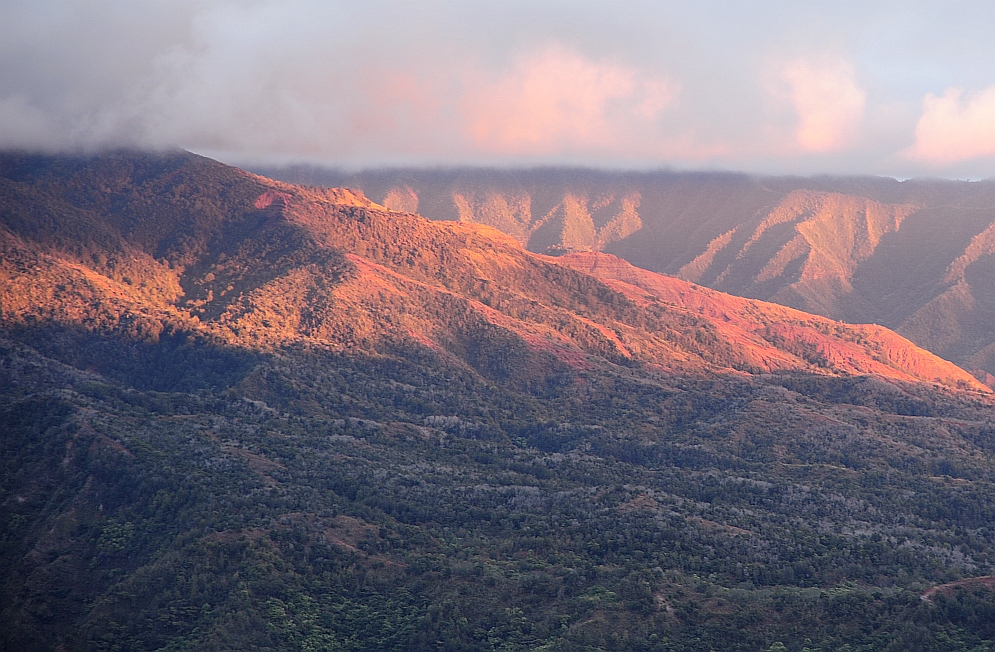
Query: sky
x=899, y=89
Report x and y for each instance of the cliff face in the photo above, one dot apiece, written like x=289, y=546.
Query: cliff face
x=911, y=255
x=803, y=252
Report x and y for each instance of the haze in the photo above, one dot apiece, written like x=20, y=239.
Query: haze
x=899, y=89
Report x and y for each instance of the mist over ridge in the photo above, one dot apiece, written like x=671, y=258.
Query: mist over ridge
x=757, y=86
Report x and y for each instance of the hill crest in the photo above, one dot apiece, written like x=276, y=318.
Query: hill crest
x=909, y=255
x=274, y=264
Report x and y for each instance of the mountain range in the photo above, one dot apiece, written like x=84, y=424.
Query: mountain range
x=915, y=256
x=238, y=413
x=330, y=267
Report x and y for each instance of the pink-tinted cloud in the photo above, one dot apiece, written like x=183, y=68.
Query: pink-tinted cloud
x=559, y=101
x=952, y=130
x=828, y=101
x=393, y=82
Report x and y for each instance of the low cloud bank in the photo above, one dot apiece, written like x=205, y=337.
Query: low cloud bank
x=755, y=87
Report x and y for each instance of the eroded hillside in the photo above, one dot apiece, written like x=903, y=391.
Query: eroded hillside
x=910, y=255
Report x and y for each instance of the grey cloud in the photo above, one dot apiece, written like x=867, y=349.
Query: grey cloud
x=368, y=83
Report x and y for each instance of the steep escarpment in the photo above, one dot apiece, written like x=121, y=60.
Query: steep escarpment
x=804, y=252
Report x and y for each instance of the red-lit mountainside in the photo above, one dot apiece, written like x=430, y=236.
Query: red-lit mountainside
x=263, y=264
x=766, y=330
x=915, y=256
x=238, y=414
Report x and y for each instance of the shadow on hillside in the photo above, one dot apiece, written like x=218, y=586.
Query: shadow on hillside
x=176, y=361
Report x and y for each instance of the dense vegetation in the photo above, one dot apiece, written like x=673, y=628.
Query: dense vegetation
x=327, y=501
x=168, y=486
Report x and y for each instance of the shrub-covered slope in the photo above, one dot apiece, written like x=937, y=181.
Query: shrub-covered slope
x=238, y=414
x=256, y=264
x=915, y=256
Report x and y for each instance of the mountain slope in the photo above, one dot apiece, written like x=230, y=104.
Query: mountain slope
x=332, y=267
x=240, y=414
x=803, y=252
x=761, y=327
x=908, y=255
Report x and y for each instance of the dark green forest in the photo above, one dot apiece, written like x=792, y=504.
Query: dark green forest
x=320, y=501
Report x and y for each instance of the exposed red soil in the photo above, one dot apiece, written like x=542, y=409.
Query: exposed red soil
x=985, y=581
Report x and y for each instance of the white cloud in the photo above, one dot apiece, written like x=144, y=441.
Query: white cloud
x=952, y=130
x=559, y=101
x=473, y=82
x=828, y=101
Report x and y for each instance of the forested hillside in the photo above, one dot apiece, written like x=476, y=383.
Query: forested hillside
x=241, y=414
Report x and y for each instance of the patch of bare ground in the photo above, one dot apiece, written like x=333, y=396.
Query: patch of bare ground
x=948, y=589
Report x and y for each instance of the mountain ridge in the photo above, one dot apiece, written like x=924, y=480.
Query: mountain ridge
x=859, y=249
x=275, y=273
